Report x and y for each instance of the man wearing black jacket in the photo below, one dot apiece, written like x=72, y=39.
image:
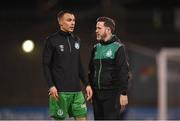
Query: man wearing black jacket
x=108, y=72
x=63, y=71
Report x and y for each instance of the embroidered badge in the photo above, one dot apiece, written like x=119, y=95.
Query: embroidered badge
x=109, y=53
x=60, y=112
x=61, y=48
x=76, y=45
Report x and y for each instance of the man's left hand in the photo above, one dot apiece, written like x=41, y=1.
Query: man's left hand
x=123, y=102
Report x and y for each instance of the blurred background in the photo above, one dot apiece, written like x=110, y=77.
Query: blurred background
x=145, y=26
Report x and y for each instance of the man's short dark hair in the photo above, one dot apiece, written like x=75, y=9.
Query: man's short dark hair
x=108, y=22
x=62, y=12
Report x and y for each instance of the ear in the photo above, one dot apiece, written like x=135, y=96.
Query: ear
x=108, y=29
x=60, y=23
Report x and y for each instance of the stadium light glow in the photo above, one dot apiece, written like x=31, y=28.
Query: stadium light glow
x=28, y=46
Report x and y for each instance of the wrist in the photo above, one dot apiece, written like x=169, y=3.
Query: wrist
x=124, y=92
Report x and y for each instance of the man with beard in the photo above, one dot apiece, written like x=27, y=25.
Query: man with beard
x=108, y=72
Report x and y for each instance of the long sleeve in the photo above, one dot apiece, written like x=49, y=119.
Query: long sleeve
x=91, y=66
x=122, y=65
x=81, y=73
x=47, y=55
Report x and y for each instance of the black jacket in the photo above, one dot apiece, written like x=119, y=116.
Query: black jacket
x=61, y=62
x=108, y=67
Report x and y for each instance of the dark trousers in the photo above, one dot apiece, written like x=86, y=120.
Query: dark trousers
x=106, y=105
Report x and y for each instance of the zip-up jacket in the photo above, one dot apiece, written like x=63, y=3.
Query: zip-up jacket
x=61, y=62
x=108, y=67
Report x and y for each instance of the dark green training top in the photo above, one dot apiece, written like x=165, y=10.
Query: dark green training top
x=108, y=66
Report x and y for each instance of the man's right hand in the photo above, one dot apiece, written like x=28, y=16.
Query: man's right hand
x=53, y=92
x=89, y=92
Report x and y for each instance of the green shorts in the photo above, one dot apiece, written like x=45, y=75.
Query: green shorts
x=68, y=103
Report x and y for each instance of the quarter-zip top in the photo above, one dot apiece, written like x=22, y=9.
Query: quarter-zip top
x=61, y=58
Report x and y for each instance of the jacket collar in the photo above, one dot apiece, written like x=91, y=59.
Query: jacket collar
x=112, y=39
x=64, y=33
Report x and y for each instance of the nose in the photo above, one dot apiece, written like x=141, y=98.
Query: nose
x=73, y=22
